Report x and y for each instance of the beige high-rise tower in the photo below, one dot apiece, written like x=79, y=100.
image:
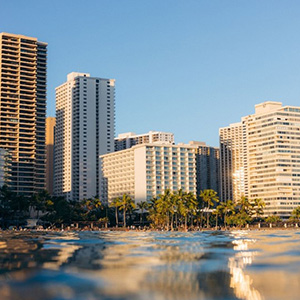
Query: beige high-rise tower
x=23, y=63
x=260, y=158
x=50, y=129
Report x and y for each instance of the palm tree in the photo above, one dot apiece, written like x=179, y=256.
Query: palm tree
x=163, y=204
x=296, y=213
x=244, y=205
x=273, y=219
x=126, y=204
x=39, y=201
x=218, y=212
x=116, y=203
x=91, y=207
x=258, y=206
x=210, y=197
x=226, y=208
x=177, y=204
x=143, y=205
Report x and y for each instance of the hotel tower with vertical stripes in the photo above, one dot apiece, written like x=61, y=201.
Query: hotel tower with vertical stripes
x=23, y=65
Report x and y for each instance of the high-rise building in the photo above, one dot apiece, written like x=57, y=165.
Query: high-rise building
x=233, y=162
x=85, y=127
x=207, y=167
x=50, y=131
x=271, y=156
x=129, y=139
x=23, y=66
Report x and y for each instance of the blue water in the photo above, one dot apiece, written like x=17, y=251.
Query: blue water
x=251, y=265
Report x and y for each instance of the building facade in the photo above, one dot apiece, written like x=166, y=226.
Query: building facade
x=5, y=167
x=85, y=127
x=233, y=162
x=129, y=139
x=23, y=67
x=272, y=158
x=147, y=170
x=207, y=167
x=50, y=131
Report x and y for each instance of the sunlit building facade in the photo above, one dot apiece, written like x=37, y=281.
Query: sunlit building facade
x=233, y=162
x=23, y=69
x=85, y=127
x=269, y=157
x=273, y=143
x=147, y=170
x=50, y=131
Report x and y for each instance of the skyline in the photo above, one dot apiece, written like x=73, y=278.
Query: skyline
x=219, y=59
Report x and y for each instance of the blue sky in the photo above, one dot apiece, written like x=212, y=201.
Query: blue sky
x=187, y=67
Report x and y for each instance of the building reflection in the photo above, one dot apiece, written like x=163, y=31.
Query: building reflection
x=240, y=281
x=126, y=265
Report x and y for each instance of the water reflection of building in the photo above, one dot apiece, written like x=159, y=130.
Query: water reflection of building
x=241, y=282
x=267, y=267
x=21, y=252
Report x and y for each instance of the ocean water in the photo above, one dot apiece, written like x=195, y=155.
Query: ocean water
x=251, y=265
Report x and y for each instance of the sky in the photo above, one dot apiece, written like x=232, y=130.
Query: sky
x=182, y=66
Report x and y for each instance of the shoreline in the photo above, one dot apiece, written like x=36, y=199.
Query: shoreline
x=121, y=229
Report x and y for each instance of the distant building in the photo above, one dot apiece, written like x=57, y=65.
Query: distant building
x=207, y=167
x=50, y=130
x=233, y=162
x=261, y=156
x=129, y=139
x=23, y=69
x=85, y=127
x=147, y=170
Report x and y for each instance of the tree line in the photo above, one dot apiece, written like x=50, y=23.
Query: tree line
x=168, y=211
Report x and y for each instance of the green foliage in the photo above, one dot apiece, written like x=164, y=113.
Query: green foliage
x=127, y=204
x=116, y=203
x=169, y=209
x=273, y=219
x=296, y=214
x=211, y=199
x=258, y=207
x=142, y=206
x=13, y=207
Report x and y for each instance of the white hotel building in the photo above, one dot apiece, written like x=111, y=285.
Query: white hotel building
x=85, y=126
x=270, y=157
x=147, y=170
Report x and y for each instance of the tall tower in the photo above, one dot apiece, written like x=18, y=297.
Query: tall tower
x=23, y=66
x=85, y=128
x=274, y=157
x=233, y=162
x=260, y=158
x=207, y=167
x=50, y=131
